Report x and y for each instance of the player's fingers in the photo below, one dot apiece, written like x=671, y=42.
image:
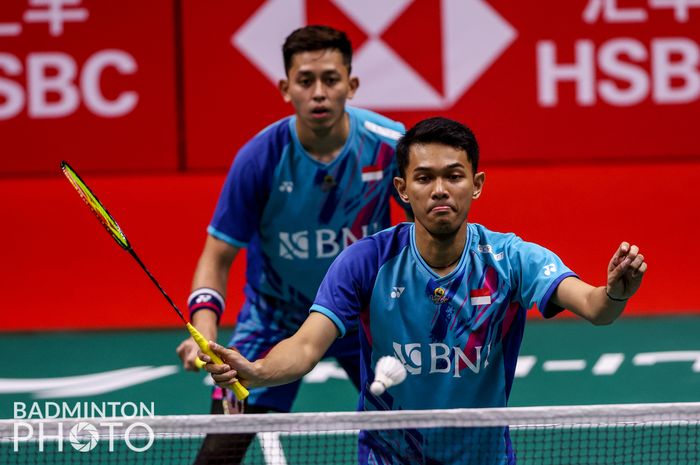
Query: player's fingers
x=180, y=350
x=203, y=357
x=629, y=258
x=637, y=262
x=634, y=251
x=638, y=269
x=226, y=377
x=225, y=354
x=190, y=361
x=217, y=349
x=620, y=252
x=215, y=369
x=187, y=355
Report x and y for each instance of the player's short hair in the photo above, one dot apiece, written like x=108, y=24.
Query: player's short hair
x=441, y=131
x=316, y=37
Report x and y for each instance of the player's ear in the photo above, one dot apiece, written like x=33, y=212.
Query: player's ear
x=400, y=185
x=479, y=179
x=283, y=86
x=354, y=83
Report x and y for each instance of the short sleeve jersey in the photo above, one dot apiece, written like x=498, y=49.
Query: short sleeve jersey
x=295, y=214
x=458, y=336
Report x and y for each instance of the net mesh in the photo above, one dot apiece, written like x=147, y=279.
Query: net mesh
x=605, y=434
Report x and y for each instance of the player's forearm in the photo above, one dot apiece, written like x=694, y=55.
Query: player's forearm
x=595, y=306
x=214, y=265
x=602, y=310
x=285, y=363
x=205, y=322
x=588, y=302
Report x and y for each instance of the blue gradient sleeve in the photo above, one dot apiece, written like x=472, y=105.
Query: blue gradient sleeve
x=347, y=286
x=244, y=194
x=539, y=272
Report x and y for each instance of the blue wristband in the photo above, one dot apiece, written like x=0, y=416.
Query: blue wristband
x=206, y=298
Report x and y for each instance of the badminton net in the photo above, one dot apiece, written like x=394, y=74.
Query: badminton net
x=598, y=434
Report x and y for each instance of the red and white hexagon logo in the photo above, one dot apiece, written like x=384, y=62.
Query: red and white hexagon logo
x=471, y=36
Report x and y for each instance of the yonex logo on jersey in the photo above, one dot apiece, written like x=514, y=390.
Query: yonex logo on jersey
x=286, y=186
x=549, y=269
x=396, y=292
x=321, y=243
x=443, y=358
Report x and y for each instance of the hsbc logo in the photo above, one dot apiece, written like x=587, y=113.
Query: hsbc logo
x=473, y=35
x=442, y=358
x=328, y=243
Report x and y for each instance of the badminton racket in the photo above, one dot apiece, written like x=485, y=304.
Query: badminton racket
x=118, y=235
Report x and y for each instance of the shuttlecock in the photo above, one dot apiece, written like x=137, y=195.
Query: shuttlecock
x=388, y=372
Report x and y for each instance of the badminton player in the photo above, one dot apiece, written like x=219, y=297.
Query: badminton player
x=445, y=296
x=296, y=195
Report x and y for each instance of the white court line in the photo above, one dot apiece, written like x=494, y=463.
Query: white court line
x=608, y=364
x=272, y=448
x=524, y=365
x=564, y=365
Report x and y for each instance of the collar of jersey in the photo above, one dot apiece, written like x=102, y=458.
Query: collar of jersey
x=462, y=261
x=346, y=147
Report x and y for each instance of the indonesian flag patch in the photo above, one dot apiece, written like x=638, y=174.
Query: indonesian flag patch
x=480, y=297
x=372, y=173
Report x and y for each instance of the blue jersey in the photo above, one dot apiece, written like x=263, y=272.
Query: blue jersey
x=458, y=336
x=295, y=214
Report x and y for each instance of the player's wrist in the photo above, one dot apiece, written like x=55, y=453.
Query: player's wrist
x=613, y=297
x=206, y=298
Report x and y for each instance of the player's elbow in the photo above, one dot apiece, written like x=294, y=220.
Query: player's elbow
x=602, y=319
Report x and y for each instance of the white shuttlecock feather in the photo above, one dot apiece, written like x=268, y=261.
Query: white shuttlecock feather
x=388, y=372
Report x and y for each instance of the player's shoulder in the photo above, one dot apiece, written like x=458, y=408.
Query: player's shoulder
x=378, y=248
x=268, y=143
x=506, y=249
x=480, y=234
x=398, y=235
x=375, y=124
x=492, y=246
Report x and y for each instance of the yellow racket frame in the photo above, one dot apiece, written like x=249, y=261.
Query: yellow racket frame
x=110, y=224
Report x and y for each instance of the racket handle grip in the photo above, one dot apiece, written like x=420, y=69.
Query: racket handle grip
x=238, y=390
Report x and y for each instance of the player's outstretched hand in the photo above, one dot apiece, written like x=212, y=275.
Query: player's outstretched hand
x=187, y=351
x=235, y=366
x=625, y=272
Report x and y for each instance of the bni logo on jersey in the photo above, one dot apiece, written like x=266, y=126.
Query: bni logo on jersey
x=441, y=358
x=321, y=243
x=83, y=425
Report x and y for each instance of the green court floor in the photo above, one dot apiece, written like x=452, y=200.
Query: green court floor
x=563, y=362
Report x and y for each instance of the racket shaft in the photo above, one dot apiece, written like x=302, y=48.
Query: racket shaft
x=237, y=388
x=157, y=284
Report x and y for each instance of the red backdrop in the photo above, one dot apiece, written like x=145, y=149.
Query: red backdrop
x=583, y=110
x=98, y=90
